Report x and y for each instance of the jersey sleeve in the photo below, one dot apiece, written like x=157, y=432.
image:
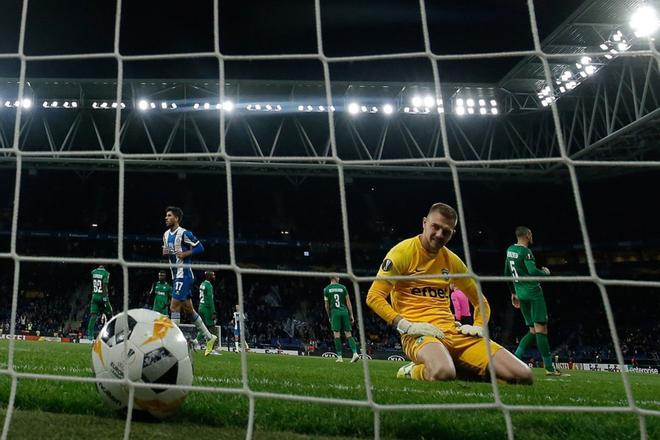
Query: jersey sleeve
x=469, y=288
x=396, y=263
x=530, y=265
x=196, y=246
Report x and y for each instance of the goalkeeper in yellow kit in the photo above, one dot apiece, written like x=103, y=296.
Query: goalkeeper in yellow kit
x=440, y=348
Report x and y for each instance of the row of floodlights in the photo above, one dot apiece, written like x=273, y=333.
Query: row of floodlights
x=461, y=106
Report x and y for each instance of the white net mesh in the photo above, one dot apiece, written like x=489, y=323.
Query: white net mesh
x=341, y=164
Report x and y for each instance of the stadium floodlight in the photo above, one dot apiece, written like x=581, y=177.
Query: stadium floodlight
x=460, y=110
x=459, y=102
x=152, y=104
x=562, y=89
x=321, y=108
x=617, y=36
x=163, y=105
x=441, y=110
x=493, y=103
x=544, y=103
x=228, y=106
x=7, y=104
x=417, y=101
x=644, y=21
x=95, y=105
x=257, y=107
x=470, y=110
x=269, y=107
x=207, y=106
x=608, y=56
x=470, y=102
x=429, y=101
x=114, y=105
x=27, y=103
x=604, y=46
x=301, y=108
x=406, y=109
x=249, y=107
x=74, y=104
x=196, y=106
x=388, y=109
x=142, y=105
x=373, y=110
x=173, y=106
x=482, y=102
x=310, y=108
x=590, y=70
x=583, y=74
x=278, y=108
x=364, y=109
x=332, y=108
x=571, y=85
x=353, y=108
x=482, y=110
x=54, y=104
x=494, y=111
x=45, y=104
x=622, y=46
x=585, y=60
x=103, y=104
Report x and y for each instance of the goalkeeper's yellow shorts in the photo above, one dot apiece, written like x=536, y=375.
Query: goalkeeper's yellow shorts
x=468, y=352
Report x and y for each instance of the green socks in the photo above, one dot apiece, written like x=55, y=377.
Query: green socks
x=351, y=343
x=525, y=342
x=544, y=347
x=90, y=327
x=338, y=346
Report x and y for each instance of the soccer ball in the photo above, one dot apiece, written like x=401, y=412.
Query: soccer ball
x=150, y=348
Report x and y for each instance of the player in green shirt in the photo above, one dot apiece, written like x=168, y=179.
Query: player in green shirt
x=162, y=291
x=340, y=312
x=206, y=307
x=528, y=296
x=100, y=300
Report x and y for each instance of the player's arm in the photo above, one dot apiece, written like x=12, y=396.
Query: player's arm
x=196, y=246
x=532, y=270
x=469, y=287
x=350, y=307
x=326, y=303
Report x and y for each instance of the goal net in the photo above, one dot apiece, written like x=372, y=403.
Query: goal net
x=454, y=152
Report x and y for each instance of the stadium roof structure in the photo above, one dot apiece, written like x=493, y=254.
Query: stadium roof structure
x=605, y=85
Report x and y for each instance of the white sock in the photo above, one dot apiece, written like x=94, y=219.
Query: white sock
x=201, y=327
x=176, y=318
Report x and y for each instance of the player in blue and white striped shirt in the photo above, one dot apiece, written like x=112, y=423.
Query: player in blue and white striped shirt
x=179, y=245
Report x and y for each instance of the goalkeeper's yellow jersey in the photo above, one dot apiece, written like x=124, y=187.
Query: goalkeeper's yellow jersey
x=422, y=300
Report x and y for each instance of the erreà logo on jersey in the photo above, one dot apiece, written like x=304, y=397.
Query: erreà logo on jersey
x=445, y=273
x=387, y=265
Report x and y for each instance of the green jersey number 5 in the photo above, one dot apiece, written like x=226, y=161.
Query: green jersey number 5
x=513, y=270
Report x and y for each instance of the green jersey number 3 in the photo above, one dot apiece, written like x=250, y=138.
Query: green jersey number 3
x=337, y=304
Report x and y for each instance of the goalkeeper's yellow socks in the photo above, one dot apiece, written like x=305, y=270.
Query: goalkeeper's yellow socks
x=338, y=346
x=351, y=343
x=417, y=372
x=544, y=347
x=525, y=342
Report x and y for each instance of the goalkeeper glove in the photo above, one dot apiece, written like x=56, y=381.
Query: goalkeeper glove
x=406, y=327
x=470, y=330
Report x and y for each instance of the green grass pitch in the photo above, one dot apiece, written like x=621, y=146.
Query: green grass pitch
x=47, y=409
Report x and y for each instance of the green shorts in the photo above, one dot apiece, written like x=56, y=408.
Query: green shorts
x=534, y=311
x=100, y=304
x=207, y=317
x=340, y=321
x=162, y=310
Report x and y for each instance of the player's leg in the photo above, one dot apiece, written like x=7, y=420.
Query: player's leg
x=93, y=313
x=336, y=327
x=203, y=314
x=473, y=360
x=178, y=297
x=431, y=359
x=201, y=327
x=540, y=318
x=353, y=345
x=511, y=369
x=530, y=337
x=347, y=328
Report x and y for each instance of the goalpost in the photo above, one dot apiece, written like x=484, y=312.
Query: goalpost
x=341, y=165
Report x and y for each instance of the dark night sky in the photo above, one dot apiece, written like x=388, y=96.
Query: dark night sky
x=268, y=27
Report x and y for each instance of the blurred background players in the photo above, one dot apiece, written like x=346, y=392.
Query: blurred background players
x=461, y=305
x=236, y=321
x=340, y=313
x=207, y=304
x=100, y=300
x=528, y=296
x=179, y=245
x=161, y=291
